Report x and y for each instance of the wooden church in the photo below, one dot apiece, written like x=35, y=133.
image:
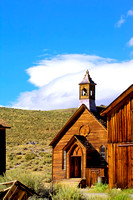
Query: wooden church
x=3, y=127
x=80, y=148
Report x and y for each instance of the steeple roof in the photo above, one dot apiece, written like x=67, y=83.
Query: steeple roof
x=87, y=79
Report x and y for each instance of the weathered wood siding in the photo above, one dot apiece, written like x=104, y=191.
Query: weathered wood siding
x=120, y=165
x=92, y=175
x=2, y=151
x=120, y=122
x=120, y=145
x=97, y=137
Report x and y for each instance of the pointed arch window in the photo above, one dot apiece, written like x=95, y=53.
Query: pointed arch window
x=102, y=151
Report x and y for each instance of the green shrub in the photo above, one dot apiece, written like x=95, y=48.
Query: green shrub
x=129, y=190
x=63, y=192
x=118, y=194
x=19, y=153
x=10, y=157
x=100, y=187
x=30, y=156
x=33, y=181
x=18, y=157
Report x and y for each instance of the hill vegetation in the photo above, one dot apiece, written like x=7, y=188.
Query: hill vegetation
x=29, y=156
x=29, y=137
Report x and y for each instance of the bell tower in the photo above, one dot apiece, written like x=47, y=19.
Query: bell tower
x=87, y=92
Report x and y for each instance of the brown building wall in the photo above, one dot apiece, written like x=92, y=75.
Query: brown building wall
x=2, y=151
x=120, y=165
x=97, y=137
x=120, y=147
x=120, y=124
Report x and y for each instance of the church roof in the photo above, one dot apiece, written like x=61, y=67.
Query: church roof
x=3, y=124
x=82, y=140
x=85, y=142
x=87, y=79
x=96, y=159
x=72, y=120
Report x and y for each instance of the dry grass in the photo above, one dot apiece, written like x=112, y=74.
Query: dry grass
x=29, y=137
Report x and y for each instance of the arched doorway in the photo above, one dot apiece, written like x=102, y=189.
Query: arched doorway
x=76, y=162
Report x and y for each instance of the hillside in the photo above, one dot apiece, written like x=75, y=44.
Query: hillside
x=29, y=137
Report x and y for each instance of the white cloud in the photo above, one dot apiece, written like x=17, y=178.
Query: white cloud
x=57, y=81
x=130, y=43
x=120, y=22
x=44, y=71
x=124, y=18
x=130, y=13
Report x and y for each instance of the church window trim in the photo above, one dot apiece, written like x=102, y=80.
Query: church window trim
x=64, y=160
x=102, y=151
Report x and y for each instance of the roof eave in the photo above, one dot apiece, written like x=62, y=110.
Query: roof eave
x=69, y=123
x=120, y=98
x=82, y=83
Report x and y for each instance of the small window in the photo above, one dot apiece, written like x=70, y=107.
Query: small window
x=84, y=92
x=64, y=160
x=91, y=92
x=102, y=151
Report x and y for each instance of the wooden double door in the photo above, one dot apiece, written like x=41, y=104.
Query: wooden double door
x=75, y=167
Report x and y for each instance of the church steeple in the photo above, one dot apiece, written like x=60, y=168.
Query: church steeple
x=87, y=92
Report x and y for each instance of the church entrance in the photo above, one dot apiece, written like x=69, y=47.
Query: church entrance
x=75, y=167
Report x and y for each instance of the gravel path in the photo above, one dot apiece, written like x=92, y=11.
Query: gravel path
x=86, y=194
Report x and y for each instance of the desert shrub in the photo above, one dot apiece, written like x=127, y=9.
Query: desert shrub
x=33, y=181
x=19, y=153
x=118, y=194
x=100, y=187
x=128, y=191
x=10, y=157
x=63, y=192
x=48, y=179
x=30, y=156
x=18, y=157
x=42, y=154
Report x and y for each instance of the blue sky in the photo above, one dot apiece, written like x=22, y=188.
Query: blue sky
x=47, y=45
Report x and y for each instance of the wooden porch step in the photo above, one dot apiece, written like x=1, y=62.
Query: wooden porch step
x=75, y=182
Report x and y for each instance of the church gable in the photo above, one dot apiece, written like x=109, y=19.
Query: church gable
x=86, y=125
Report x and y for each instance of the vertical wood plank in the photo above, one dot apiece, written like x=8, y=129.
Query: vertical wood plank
x=131, y=150
x=112, y=159
x=123, y=124
x=129, y=167
x=114, y=169
x=113, y=135
x=109, y=163
x=120, y=134
x=128, y=122
x=131, y=120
